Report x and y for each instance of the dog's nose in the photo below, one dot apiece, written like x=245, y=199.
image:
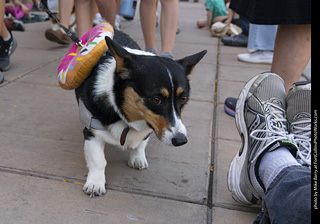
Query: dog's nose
x=179, y=139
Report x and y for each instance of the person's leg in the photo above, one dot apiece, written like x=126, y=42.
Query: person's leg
x=58, y=35
x=205, y=24
x=148, y=22
x=8, y=44
x=65, y=8
x=168, y=24
x=2, y=2
x=260, y=44
x=289, y=190
x=288, y=199
x=261, y=122
x=107, y=9
x=262, y=37
x=292, y=52
x=84, y=16
x=3, y=30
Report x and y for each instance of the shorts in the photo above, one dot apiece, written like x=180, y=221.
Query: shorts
x=274, y=12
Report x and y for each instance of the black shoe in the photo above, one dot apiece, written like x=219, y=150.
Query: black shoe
x=230, y=106
x=240, y=40
x=1, y=78
x=6, y=49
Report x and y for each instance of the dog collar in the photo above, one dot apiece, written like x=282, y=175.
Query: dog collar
x=124, y=135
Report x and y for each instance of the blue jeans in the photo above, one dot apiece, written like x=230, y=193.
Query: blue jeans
x=262, y=37
x=245, y=25
x=288, y=199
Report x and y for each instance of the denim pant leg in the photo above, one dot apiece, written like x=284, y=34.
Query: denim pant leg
x=262, y=37
x=288, y=199
x=245, y=25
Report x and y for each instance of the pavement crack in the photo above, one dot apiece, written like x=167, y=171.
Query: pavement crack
x=213, y=136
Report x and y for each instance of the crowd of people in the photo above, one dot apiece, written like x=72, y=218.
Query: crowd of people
x=273, y=112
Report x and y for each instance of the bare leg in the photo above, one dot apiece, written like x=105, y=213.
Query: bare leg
x=3, y=29
x=65, y=8
x=205, y=24
x=107, y=9
x=148, y=21
x=84, y=16
x=292, y=52
x=168, y=24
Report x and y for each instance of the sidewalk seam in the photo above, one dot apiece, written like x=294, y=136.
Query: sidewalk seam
x=30, y=70
x=213, y=133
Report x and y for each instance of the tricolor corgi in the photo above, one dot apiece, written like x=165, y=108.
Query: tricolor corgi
x=130, y=94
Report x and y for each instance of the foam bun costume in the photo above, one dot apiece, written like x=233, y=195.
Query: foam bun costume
x=78, y=63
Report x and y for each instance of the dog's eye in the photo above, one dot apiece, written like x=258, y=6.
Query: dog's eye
x=156, y=100
x=183, y=99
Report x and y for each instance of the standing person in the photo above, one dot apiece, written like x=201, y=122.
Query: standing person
x=8, y=44
x=168, y=24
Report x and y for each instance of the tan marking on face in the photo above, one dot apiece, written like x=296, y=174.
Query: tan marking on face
x=164, y=92
x=134, y=110
x=179, y=90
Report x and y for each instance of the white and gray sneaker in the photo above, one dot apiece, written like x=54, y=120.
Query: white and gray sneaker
x=299, y=119
x=257, y=56
x=262, y=125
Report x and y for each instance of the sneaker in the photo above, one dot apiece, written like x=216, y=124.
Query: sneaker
x=57, y=36
x=151, y=50
x=230, y=106
x=167, y=54
x=118, y=22
x=1, y=78
x=6, y=50
x=262, y=57
x=262, y=125
x=299, y=118
x=240, y=40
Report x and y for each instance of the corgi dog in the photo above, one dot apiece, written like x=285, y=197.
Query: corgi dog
x=130, y=94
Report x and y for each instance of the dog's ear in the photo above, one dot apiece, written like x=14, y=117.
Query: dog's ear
x=122, y=56
x=189, y=62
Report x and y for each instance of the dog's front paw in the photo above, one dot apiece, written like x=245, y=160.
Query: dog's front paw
x=95, y=186
x=138, y=163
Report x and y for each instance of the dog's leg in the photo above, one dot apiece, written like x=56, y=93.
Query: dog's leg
x=137, y=157
x=96, y=163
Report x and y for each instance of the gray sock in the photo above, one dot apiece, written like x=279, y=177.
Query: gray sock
x=167, y=55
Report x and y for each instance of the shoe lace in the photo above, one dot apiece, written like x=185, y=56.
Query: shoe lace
x=301, y=131
x=277, y=130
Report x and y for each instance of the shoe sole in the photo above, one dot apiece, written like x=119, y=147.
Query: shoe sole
x=236, y=167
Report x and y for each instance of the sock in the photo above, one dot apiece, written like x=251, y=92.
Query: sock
x=7, y=38
x=272, y=163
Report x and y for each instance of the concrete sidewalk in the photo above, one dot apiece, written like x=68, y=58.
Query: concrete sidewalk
x=42, y=167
